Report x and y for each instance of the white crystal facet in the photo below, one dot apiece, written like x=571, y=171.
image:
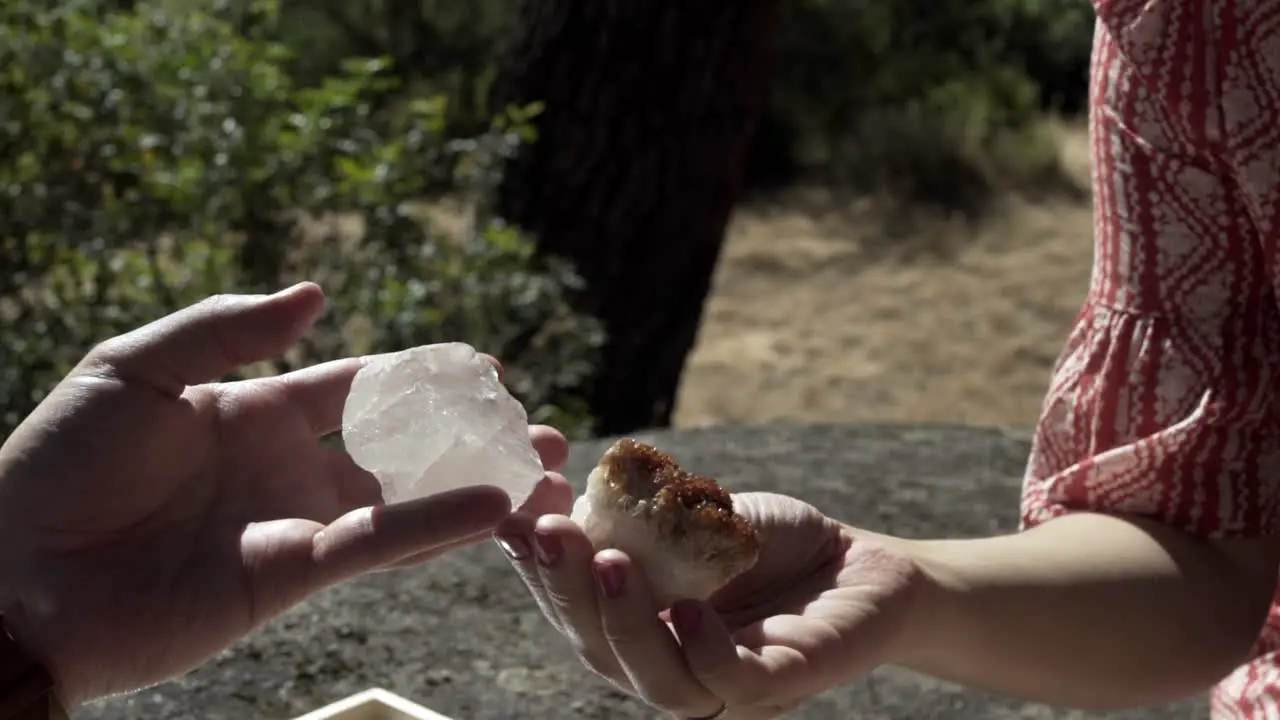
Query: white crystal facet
x=437, y=418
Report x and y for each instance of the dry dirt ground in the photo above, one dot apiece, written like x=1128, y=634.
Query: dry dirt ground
x=818, y=315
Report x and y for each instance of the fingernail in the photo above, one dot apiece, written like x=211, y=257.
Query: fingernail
x=612, y=579
x=687, y=617
x=516, y=547
x=548, y=548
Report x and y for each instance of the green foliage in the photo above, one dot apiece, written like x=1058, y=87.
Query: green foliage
x=163, y=152
x=927, y=100
x=436, y=46
x=158, y=151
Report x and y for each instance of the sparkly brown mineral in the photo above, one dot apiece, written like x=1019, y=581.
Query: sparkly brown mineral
x=679, y=527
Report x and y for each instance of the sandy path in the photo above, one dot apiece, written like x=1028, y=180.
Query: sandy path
x=808, y=321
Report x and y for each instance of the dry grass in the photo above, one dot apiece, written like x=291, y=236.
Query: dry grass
x=820, y=314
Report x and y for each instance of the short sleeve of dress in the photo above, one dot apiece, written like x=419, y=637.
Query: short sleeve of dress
x=1165, y=402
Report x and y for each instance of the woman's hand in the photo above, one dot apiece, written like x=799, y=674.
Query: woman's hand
x=150, y=516
x=822, y=606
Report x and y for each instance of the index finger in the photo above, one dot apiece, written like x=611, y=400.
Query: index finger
x=368, y=538
x=642, y=642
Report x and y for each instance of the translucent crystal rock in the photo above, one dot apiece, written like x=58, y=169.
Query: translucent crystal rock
x=437, y=418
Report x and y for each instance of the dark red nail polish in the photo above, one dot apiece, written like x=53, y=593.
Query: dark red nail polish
x=687, y=617
x=612, y=579
x=549, y=548
x=515, y=546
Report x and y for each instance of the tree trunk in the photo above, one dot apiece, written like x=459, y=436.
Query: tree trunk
x=650, y=107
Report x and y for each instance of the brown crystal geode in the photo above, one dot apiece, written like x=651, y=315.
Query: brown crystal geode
x=679, y=527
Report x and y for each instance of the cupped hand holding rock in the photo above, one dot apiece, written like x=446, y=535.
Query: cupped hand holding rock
x=822, y=605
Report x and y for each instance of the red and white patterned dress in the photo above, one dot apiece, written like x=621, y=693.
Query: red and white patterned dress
x=1166, y=400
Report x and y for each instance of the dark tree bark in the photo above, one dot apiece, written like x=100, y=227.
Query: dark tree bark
x=650, y=107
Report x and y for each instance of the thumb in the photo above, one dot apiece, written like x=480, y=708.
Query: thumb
x=212, y=338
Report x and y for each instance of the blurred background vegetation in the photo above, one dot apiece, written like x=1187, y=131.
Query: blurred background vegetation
x=153, y=152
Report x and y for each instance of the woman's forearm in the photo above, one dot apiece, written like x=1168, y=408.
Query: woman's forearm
x=1089, y=611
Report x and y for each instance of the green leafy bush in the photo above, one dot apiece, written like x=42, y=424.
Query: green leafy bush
x=929, y=100
x=436, y=46
x=925, y=100
x=162, y=152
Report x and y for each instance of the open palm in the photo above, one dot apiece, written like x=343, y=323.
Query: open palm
x=149, y=517
x=820, y=606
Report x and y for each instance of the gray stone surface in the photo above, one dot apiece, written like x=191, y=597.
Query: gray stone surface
x=460, y=636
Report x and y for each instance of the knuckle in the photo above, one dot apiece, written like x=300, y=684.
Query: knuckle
x=107, y=359
x=106, y=351
x=560, y=597
x=600, y=662
x=620, y=636
x=549, y=612
x=219, y=302
x=528, y=576
x=556, y=592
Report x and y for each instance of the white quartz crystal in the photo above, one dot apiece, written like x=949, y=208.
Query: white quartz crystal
x=437, y=418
